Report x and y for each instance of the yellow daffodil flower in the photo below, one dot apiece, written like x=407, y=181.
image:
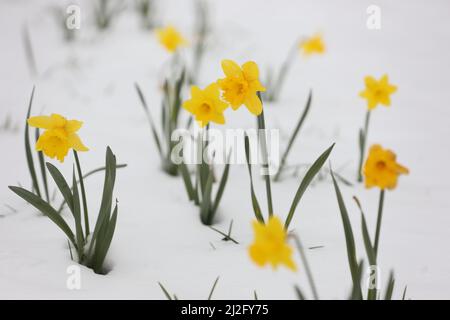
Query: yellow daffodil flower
x=59, y=135
x=312, y=45
x=381, y=169
x=170, y=38
x=377, y=92
x=206, y=105
x=240, y=85
x=270, y=245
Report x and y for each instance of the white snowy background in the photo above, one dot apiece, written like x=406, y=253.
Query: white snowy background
x=159, y=236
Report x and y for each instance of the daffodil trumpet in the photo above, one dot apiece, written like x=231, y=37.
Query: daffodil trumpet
x=170, y=111
x=376, y=92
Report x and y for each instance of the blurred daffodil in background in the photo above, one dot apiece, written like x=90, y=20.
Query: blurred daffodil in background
x=241, y=84
x=381, y=168
x=59, y=135
x=312, y=45
x=270, y=245
x=170, y=38
x=206, y=105
x=377, y=91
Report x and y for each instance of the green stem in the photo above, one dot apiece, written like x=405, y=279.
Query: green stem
x=380, y=216
x=362, y=145
x=294, y=135
x=305, y=262
x=83, y=195
x=263, y=143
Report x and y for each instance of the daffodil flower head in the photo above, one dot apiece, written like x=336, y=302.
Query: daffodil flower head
x=206, y=105
x=377, y=91
x=59, y=135
x=240, y=85
x=312, y=45
x=170, y=38
x=381, y=168
x=270, y=245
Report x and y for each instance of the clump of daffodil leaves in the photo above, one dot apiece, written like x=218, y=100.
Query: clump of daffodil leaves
x=59, y=136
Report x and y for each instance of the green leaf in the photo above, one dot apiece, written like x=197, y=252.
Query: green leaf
x=206, y=214
x=349, y=239
x=356, y=288
x=150, y=119
x=255, y=203
x=223, y=182
x=42, y=167
x=77, y=216
x=265, y=155
x=83, y=194
x=309, y=176
x=28, y=152
x=166, y=293
x=365, y=232
x=213, y=288
x=62, y=185
x=187, y=180
x=294, y=136
x=103, y=245
x=105, y=206
x=404, y=293
x=390, y=287
x=299, y=293
x=118, y=166
x=46, y=209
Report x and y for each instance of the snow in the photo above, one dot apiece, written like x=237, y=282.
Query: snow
x=159, y=236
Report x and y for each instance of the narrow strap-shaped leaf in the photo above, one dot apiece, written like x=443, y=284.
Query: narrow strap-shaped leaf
x=365, y=232
x=46, y=209
x=213, y=288
x=28, y=152
x=42, y=167
x=309, y=176
x=150, y=119
x=118, y=166
x=83, y=194
x=299, y=293
x=356, y=288
x=390, y=287
x=77, y=216
x=206, y=214
x=62, y=185
x=105, y=243
x=105, y=206
x=404, y=293
x=187, y=180
x=294, y=136
x=255, y=203
x=223, y=182
x=349, y=238
x=265, y=156
x=166, y=293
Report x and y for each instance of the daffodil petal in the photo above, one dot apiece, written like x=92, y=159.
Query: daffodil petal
x=253, y=104
x=43, y=122
x=74, y=142
x=73, y=126
x=250, y=69
x=231, y=68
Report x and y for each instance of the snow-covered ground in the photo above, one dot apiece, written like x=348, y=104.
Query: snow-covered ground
x=159, y=236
